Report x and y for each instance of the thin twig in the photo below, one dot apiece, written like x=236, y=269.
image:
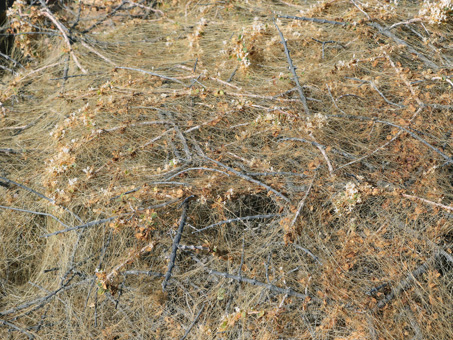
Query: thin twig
x=145, y=7
x=373, y=85
x=293, y=71
x=116, y=9
x=276, y=173
x=242, y=256
x=39, y=70
x=176, y=240
x=363, y=118
x=405, y=80
x=313, y=256
x=319, y=21
x=184, y=143
x=239, y=219
x=35, y=213
x=442, y=206
x=17, y=328
x=197, y=168
x=191, y=247
x=255, y=282
x=7, y=57
x=316, y=144
x=408, y=281
x=399, y=41
x=63, y=29
x=193, y=323
x=302, y=203
x=85, y=225
x=326, y=42
x=150, y=73
x=9, y=150
x=232, y=75
x=41, y=195
x=248, y=178
x=43, y=299
x=410, y=21
x=360, y=9
x=323, y=152
x=91, y=49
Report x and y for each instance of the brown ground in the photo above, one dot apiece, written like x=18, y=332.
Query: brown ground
x=172, y=145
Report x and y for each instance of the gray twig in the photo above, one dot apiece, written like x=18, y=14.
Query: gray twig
x=36, y=213
x=316, y=144
x=408, y=281
x=176, y=240
x=313, y=256
x=108, y=15
x=293, y=71
x=319, y=21
x=42, y=300
x=361, y=10
x=242, y=257
x=399, y=41
x=7, y=57
x=17, y=328
x=248, y=178
x=239, y=219
x=198, y=168
x=302, y=203
x=40, y=195
x=191, y=247
x=193, y=323
x=142, y=272
x=150, y=73
x=326, y=42
x=363, y=118
x=232, y=75
x=255, y=282
x=85, y=225
x=373, y=85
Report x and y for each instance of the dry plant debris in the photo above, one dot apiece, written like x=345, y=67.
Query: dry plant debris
x=226, y=169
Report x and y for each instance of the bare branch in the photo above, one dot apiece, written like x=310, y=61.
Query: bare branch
x=17, y=328
x=408, y=281
x=86, y=225
x=35, y=213
x=399, y=41
x=239, y=219
x=293, y=71
x=176, y=240
x=193, y=323
x=319, y=21
x=40, y=195
x=248, y=178
x=150, y=73
x=63, y=30
x=197, y=168
x=254, y=282
x=302, y=203
x=442, y=206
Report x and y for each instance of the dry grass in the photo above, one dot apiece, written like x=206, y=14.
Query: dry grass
x=342, y=218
